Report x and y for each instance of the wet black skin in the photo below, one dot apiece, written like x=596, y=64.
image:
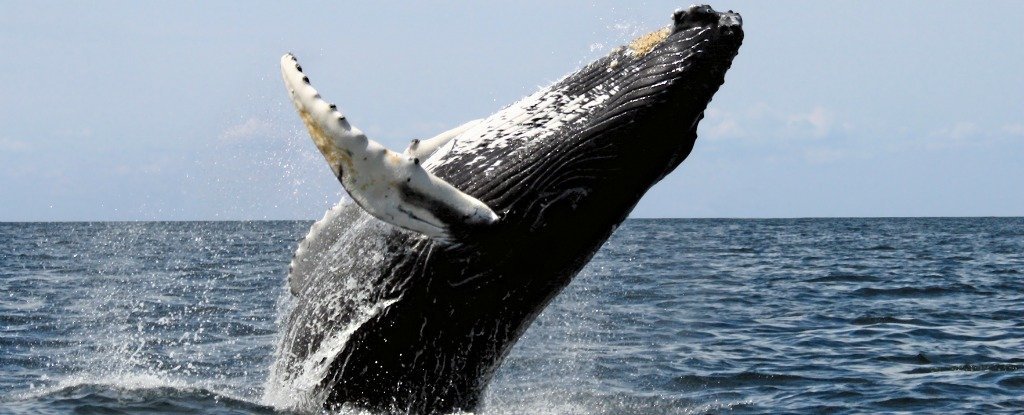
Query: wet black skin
x=460, y=307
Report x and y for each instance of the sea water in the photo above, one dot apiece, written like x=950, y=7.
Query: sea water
x=671, y=316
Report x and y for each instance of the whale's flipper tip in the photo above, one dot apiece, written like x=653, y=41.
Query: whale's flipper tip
x=390, y=186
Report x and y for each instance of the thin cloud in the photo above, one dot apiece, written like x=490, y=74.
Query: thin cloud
x=250, y=129
x=721, y=125
x=761, y=121
x=817, y=123
x=973, y=134
x=1015, y=130
x=823, y=155
x=958, y=132
x=11, y=145
x=84, y=132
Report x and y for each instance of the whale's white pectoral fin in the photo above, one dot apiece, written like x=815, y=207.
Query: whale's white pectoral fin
x=330, y=130
x=422, y=149
x=390, y=186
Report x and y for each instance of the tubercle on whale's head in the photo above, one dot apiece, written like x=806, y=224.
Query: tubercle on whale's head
x=725, y=28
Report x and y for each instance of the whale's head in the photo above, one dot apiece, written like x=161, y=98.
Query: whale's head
x=658, y=88
x=576, y=157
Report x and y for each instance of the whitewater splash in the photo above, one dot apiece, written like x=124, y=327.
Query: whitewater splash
x=293, y=380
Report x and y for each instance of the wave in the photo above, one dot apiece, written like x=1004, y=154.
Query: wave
x=870, y=320
x=559, y=401
x=971, y=367
x=845, y=277
x=911, y=291
x=149, y=394
x=742, y=379
x=135, y=394
x=882, y=247
x=907, y=403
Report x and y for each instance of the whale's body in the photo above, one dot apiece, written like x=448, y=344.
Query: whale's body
x=393, y=320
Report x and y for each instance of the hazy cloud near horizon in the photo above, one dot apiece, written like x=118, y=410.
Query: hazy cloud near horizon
x=168, y=111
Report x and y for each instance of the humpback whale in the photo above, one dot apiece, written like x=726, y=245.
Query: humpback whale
x=408, y=298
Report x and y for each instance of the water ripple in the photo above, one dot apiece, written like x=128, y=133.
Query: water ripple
x=671, y=316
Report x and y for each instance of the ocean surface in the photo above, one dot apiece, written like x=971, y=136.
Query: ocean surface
x=671, y=316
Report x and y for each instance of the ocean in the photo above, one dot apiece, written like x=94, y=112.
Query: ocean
x=672, y=316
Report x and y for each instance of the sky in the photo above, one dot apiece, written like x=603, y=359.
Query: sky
x=176, y=110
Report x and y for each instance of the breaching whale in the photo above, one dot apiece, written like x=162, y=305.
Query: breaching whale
x=408, y=299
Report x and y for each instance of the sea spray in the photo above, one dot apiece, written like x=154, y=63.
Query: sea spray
x=296, y=374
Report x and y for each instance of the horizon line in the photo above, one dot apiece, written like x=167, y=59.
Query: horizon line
x=629, y=218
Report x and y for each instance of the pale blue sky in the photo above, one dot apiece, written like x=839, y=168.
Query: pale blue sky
x=172, y=111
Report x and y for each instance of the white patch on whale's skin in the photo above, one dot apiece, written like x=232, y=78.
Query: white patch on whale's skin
x=390, y=186
x=521, y=125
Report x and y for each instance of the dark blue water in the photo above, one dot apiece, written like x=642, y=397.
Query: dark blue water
x=672, y=316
